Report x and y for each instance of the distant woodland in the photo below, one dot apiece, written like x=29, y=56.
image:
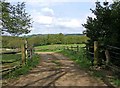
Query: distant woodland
x=37, y=40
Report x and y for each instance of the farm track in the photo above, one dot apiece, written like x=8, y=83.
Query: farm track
x=56, y=70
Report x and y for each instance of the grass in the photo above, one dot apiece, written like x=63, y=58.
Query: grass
x=25, y=68
x=10, y=57
x=10, y=60
x=79, y=57
x=54, y=48
x=116, y=82
x=85, y=63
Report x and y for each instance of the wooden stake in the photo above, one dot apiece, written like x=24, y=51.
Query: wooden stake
x=107, y=57
x=23, y=54
x=26, y=47
x=95, y=52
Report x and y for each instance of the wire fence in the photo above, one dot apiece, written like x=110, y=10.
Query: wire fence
x=114, y=55
x=73, y=48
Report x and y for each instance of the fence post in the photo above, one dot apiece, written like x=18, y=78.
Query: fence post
x=95, y=52
x=23, y=54
x=107, y=57
x=26, y=47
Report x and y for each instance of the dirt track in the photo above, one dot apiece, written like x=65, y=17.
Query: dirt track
x=56, y=70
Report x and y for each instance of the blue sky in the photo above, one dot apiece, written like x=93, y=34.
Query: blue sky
x=58, y=16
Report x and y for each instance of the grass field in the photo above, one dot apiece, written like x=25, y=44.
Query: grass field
x=54, y=48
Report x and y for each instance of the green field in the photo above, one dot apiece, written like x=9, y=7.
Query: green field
x=55, y=48
x=10, y=57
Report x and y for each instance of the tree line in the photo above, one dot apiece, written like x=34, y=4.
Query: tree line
x=16, y=42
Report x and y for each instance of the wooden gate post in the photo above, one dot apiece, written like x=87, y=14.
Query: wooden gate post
x=95, y=53
x=23, y=54
x=26, y=48
x=107, y=57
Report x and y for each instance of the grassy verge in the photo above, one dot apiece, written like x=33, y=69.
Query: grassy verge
x=24, y=69
x=85, y=63
x=79, y=57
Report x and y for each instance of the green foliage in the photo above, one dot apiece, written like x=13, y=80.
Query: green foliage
x=11, y=42
x=37, y=40
x=104, y=28
x=98, y=27
x=15, y=20
x=56, y=39
x=34, y=61
x=16, y=42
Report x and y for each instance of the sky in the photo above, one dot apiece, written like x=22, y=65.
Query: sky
x=58, y=16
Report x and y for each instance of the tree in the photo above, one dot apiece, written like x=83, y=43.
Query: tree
x=105, y=26
x=115, y=24
x=15, y=20
x=97, y=28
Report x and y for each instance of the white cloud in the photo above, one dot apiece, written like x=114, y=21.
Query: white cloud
x=43, y=17
x=68, y=22
x=46, y=20
x=47, y=11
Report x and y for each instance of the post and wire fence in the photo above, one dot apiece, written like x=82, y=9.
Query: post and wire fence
x=111, y=55
x=72, y=48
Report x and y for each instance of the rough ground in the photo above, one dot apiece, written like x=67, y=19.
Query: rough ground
x=56, y=70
